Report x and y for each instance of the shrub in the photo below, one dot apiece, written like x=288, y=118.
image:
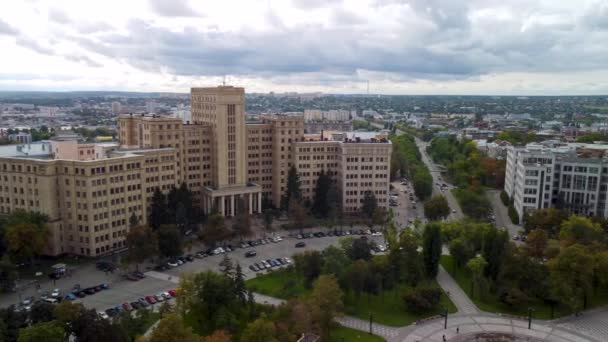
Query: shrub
x=504, y=197
x=422, y=299
x=513, y=214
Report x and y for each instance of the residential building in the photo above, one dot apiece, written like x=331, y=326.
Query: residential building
x=569, y=176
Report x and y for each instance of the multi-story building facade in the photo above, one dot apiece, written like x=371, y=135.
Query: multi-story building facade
x=89, y=191
x=569, y=176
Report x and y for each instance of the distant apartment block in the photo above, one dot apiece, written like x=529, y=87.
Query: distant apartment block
x=89, y=190
x=326, y=115
x=20, y=138
x=569, y=176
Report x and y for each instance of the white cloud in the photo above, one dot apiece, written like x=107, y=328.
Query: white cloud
x=401, y=46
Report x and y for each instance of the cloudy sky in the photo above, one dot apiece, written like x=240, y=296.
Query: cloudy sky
x=400, y=46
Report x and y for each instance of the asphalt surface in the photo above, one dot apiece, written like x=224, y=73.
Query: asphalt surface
x=123, y=290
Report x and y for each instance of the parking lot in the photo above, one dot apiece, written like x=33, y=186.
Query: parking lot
x=155, y=282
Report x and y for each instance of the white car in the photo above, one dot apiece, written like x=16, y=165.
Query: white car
x=287, y=260
x=173, y=263
x=277, y=239
x=376, y=234
x=103, y=315
x=166, y=295
x=56, y=293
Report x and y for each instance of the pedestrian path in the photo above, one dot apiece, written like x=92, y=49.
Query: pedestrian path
x=470, y=324
x=389, y=333
x=457, y=295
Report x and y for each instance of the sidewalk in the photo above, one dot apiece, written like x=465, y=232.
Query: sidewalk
x=457, y=295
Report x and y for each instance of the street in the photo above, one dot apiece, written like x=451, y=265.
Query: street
x=437, y=179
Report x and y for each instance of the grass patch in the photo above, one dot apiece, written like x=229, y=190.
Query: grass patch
x=341, y=333
x=491, y=302
x=387, y=308
x=154, y=316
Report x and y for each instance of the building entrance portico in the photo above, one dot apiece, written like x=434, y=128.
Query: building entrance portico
x=226, y=200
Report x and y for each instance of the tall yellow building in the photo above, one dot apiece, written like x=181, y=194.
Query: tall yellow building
x=89, y=191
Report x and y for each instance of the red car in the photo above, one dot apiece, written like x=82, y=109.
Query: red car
x=151, y=299
x=173, y=292
x=127, y=306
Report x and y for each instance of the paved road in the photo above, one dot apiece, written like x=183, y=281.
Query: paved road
x=437, y=180
x=501, y=213
x=405, y=214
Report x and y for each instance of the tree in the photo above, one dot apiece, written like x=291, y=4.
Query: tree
x=26, y=234
x=241, y=225
x=260, y=330
x=355, y=276
x=68, y=312
x=477, y=267
x=8, y=273
x=320, y=204
x=548, y=220
x=46, y=331
x=132, y=325
x=335, y=261
x=299, y=215
x=172, y=329
x=268, y=218
x=215, y=230
x=406, y=259
x=431, y=249
x=89, y=327
x=133, y=219
x=460, y=251
x=369, y=205
x=165, y=309
x=142, y=244
x=218, y=336
x=572, y=276
x=436, y=208
x=578, y=229
x=169, y=241
x=292, y=190
x=494, y=248
x=536, y=243
x=422, y=299
x=308, y=264
x=158, y=210
x=11, y=322
x=41, y=312
x=359, y=249
x=327, y=302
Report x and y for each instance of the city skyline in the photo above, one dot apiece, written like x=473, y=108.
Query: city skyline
x=400, y=47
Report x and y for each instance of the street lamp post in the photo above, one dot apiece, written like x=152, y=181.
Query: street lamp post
x=530, y=310
x=445, y=318
x=371, y=320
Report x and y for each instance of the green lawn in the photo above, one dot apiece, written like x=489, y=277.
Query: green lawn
x=387, y=308
x=344, y=334
x=491, y=303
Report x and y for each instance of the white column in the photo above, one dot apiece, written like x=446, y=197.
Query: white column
x=222, y=209
x=259, y=202
x=232, y=211
x=250, y=203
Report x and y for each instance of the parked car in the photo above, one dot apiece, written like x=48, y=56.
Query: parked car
x=103, y=315
x=111, y=312
x=253, y=268
x=277, y=239
x=300, y=244
x=166, y=295
x=81, y=294
x=172, y=263
x=69, y=296
x=143, y=302
x=151, y=299
x=56, y=293
x=131, y=277
x=27, y=301
x=135, y=305
x=260, y=266
x=139, y=274
x=190, y=258
x=287, y=260
x=90, y=290
x=173, y=292
x=127, y=307
x=250, y=254
x=159, y=297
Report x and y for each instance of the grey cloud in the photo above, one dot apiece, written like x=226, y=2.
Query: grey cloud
x=596, y=17
x=172, y=8
x=5, y=28
x=33, y=45
x=83, y=59
x=59, y=16
x=93, y=27
x=447, y=45
x=310, y=4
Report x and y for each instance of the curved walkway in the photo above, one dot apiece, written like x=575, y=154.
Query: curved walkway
x=456, y=294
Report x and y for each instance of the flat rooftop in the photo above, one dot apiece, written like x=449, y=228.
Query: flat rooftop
x=40, y=150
